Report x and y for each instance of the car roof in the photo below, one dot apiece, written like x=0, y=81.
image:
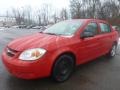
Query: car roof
x=86, y=20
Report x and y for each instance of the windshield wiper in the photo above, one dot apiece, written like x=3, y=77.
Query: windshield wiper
x=51, y=33
x=41, y=32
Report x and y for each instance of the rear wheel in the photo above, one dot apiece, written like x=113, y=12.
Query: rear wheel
x=63, y=68
x=112, y=52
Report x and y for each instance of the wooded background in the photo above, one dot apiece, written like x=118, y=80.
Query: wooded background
x=100, y=9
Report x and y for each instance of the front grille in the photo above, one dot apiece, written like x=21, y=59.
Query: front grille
x=10, y=52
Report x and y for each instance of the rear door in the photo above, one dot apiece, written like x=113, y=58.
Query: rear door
x=105, y=37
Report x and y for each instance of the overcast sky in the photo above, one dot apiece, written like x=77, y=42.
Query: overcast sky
x=7, y=4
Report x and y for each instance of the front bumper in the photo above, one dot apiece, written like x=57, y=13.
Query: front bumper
x=27, y=69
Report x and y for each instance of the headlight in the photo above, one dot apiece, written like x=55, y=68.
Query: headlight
x=32, y=54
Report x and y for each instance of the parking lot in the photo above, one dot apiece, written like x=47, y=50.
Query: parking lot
x=100, y=74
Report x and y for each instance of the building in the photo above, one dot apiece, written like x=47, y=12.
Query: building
x=7, y=21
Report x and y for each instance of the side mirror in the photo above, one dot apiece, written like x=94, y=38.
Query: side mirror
x=86, y=35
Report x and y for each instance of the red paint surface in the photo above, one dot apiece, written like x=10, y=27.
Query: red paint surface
x=83, y=49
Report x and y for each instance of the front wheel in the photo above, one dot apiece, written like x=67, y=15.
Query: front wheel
x=63, y=68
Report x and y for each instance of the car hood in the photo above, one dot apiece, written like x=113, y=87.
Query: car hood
x=34, y=41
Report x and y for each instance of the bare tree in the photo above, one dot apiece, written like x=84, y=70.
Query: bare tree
x=7, y=15
x=75, y=8
x=84, y=8
x=28, y=14
x=64, y=14
x=19, y=16
x=45, y=10
x=109, y=9
x=55, y=18
x=39, y=17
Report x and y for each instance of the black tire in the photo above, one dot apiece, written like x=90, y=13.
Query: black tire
x=63, y=68
x=112, y=52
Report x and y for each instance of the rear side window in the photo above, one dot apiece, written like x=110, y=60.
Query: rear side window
x=92, y=27
x=105, y=28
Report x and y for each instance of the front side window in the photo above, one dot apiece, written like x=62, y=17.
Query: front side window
x=105, y=28
x=64, y=28
x=92, y=27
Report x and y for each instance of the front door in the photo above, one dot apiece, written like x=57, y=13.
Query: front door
x=90, y=46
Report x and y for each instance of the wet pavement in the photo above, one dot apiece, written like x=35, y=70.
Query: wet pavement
x=100, y=74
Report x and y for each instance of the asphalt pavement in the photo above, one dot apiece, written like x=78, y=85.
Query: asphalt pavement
x=99, y=74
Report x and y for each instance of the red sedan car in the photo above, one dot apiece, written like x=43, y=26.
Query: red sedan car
x=57, y=50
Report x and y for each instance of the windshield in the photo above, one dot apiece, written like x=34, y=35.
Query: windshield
x=64, y=28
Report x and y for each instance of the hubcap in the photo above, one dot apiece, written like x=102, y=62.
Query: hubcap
x=64, y=69
x=113, y=51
